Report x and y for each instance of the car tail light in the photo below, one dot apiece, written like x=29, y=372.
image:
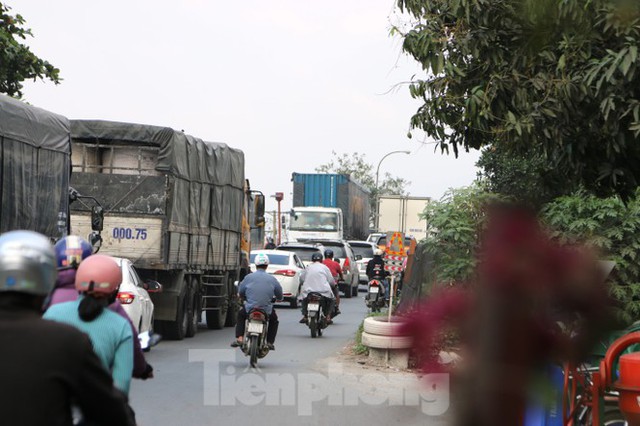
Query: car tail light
x=126, y=298
x=285, y=272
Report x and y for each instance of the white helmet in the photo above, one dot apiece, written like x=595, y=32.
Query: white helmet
x=378, y=252
x=261, y=259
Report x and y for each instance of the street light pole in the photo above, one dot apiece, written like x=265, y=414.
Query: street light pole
x=378, y=188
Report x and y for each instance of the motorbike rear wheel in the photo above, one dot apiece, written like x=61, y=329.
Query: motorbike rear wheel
x=313, y=327
x=613, y=417
x=253, y=351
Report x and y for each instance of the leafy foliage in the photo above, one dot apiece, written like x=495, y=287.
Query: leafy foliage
x=562, y=76
x=454, y=226
x=358, y=168
x=522, y=176
x=17, y=62
x=613, y=228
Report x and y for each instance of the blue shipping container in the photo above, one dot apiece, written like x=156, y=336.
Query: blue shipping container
x=335, y=190
x=320, y=190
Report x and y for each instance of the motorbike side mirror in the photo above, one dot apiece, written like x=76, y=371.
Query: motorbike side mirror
x=152, y=286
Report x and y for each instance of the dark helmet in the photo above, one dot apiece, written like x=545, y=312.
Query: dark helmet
x=316, y=257
x=328, y=253
x=71, y=250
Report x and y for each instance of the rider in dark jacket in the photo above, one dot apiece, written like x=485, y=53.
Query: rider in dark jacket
x=46, y=364
x=375, y=268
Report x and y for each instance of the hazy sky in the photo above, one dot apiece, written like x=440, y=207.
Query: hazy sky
x=286, y=81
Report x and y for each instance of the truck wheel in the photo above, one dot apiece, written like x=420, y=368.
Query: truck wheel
x=217, y=317
x=193, y=308
x=176, y=330
x=348, y=294
x=232, y=316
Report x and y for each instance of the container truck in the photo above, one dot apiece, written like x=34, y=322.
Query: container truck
x=35, y=160
x=178, y=207
x=328, y=206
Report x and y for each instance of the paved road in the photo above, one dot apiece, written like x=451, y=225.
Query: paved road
x=201, y=381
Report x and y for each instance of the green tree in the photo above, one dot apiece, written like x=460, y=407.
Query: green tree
x=454, y=226
x=562, y=76
x=613, y=228
x=524, y=176
x=17, y=62
x=358, y=168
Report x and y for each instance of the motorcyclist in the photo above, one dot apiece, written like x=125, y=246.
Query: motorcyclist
x=317, y=278
x=270, y=244
x=70, y=252
x=375, y=268
x=98, y=279
x=57, y=362
x=258, y=291
x=336, y=271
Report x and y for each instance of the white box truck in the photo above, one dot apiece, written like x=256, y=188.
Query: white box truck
x=398, y=213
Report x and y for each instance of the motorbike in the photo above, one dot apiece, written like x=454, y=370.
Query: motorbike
x=375, y=298
x=254, y=344
x=315, y=312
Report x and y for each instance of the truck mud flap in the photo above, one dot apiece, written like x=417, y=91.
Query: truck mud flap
x=165, y=305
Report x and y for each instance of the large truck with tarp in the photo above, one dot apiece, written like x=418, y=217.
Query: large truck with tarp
x=180, y=208
x=328, y=206
x=35, y=165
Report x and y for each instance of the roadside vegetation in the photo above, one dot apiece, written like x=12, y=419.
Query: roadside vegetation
x=549, y=91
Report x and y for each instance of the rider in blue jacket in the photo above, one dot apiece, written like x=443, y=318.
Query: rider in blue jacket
x=258, y=291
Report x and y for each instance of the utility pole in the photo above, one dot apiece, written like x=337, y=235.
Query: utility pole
x=377, y=217
x=279, y=196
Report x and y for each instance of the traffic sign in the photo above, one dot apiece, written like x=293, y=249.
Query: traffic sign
x=395, y=243
x=394, y=263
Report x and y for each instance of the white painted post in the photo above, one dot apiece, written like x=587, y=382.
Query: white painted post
x=391, y=291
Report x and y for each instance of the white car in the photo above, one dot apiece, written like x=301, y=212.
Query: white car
x=286, y=267
x=133, y=295
x=364, y=249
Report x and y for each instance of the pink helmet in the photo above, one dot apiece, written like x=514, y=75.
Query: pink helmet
x=98, y=274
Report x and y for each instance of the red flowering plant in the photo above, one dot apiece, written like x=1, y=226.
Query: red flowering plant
x=508, y=319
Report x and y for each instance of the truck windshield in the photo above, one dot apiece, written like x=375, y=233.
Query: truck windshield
x=314, y=221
